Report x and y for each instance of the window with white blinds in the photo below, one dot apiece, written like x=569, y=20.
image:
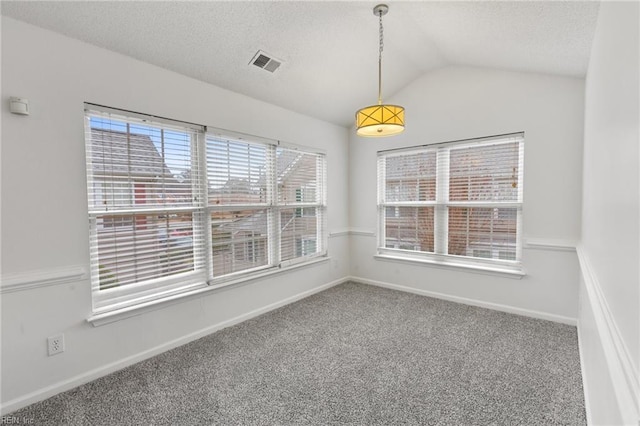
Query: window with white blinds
x=300, y=187
x=266, y=205
x=239, y=201
x=145, y=205
x=173, y=208
x=456, y=201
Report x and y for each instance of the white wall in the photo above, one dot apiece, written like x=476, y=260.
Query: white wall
x=609, y=251
x=44, y=208
x=456, y=103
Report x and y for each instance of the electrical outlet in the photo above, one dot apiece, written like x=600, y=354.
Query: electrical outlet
x=56, y=344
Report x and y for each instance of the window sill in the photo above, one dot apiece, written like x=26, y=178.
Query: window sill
x=104, y=318
x=514, y=273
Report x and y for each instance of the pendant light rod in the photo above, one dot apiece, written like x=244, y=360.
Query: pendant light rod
x=380, y=10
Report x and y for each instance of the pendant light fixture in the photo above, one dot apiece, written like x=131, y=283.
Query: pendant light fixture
x=380, y=120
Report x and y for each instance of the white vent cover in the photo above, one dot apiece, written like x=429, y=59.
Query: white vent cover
x=265, y=61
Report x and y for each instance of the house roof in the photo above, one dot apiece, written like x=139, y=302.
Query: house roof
x=249, y=223
x=287, y=162
x=109, y=150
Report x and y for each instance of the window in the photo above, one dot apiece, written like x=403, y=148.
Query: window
x=173, y=208
x=457, y=202
x=262, y=198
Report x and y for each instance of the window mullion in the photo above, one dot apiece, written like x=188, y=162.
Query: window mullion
x=382, y=183
x=200, y=183
x=132, y=197
x=273, y=211
x=520, y=197
x=321, y=199
x=441, y=218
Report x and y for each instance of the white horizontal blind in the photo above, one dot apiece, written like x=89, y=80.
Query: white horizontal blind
x=239, y=198
x=454, y=199
x=408, y=185
x=300, y=182
x=239, y=240
x=236, y=172
x=485, y=199
x=144, y=194
x=266, y=205
x=409, y=228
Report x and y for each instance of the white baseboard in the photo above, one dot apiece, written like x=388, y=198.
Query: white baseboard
x=472, y=302
x=585, y=386
x=619, y=362
x=88, y=376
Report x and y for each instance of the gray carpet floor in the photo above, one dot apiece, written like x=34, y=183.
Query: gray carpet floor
x=354, y=354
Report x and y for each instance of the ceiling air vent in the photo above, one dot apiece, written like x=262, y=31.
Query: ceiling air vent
x=265, y=61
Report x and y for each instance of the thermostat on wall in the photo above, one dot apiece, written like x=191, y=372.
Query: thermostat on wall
x=19, y=105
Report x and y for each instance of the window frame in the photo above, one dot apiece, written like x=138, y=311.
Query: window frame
x=441, y=205
x=140, y=294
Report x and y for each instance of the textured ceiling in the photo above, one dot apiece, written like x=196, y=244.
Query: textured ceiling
x=329, y=49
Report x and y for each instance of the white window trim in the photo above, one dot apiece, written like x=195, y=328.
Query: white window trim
x=441, y=204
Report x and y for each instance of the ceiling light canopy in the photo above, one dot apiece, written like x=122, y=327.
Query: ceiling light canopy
x=381, y=119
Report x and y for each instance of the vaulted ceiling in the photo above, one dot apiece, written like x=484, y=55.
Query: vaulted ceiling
x=329, y=49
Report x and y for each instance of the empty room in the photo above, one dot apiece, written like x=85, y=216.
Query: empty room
x=312, y=212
